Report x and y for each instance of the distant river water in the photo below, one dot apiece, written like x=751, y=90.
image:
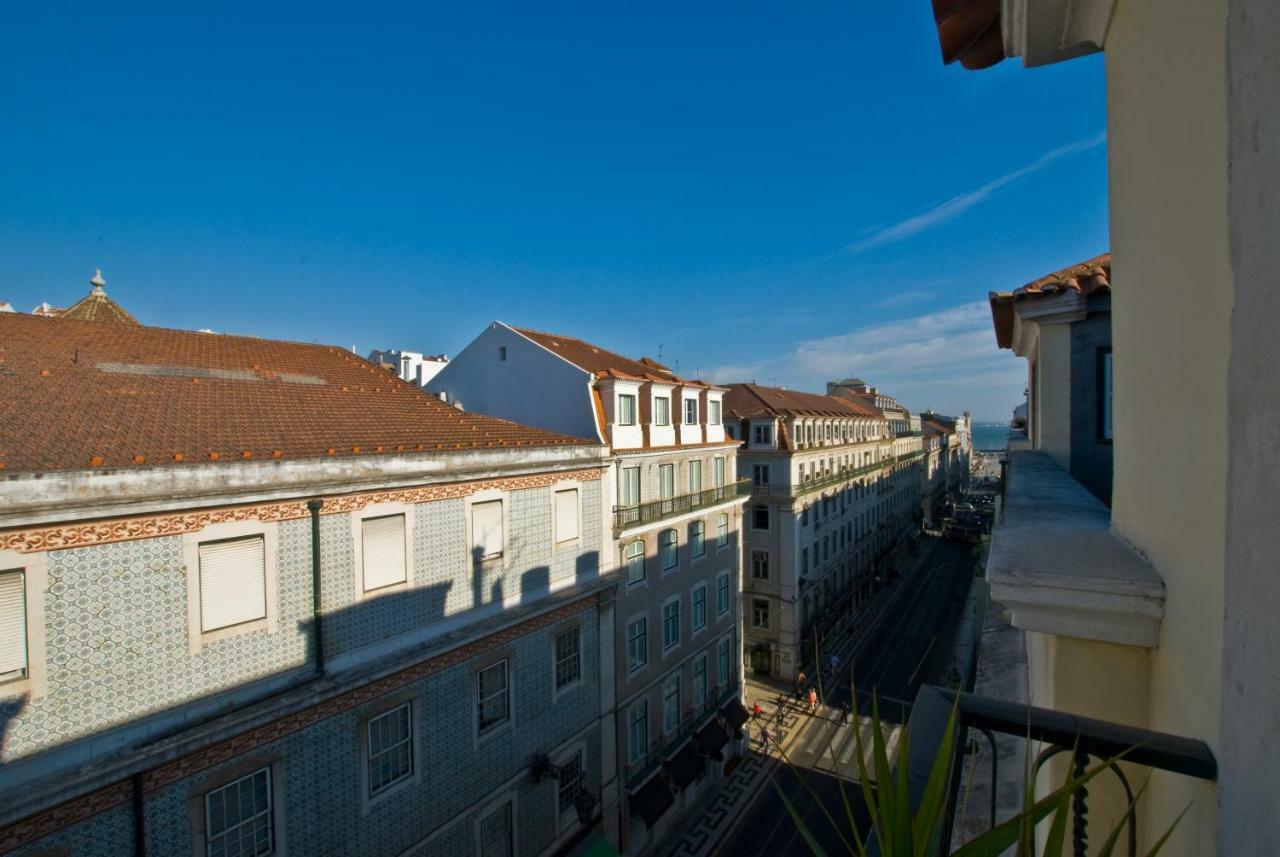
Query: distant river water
x=990, y=435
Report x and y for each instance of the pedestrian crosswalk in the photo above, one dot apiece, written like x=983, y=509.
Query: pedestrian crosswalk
x=823, y=743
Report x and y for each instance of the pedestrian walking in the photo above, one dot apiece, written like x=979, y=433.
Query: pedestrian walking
x=813, y=701
x=844, y=714
x=835, y=664
x=764, y=739
x=756, y=710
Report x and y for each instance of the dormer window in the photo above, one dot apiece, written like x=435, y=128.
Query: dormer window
x=763, y=435
x=713, y=412
x=662, y=411
x=626, y=410
x=690, y=412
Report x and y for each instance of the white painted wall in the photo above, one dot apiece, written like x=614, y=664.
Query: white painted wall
x=532, y=386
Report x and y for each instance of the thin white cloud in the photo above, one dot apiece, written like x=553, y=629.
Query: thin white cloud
x=946, y=359
x=952, y=208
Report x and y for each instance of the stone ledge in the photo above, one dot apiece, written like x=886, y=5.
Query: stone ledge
x=1058, y=567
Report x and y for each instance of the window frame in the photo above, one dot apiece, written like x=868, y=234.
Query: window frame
x=481, y=498
x=197, y=637
x=197, y=813
x=724, y=661
x=641, y=619
x=673, y=645
x=714, y=412
x=34, y=568
x=508, y=798
x=640, y=706
x=627, y=560
x=694, y=627
x=673, y=547
x=728, y=595
x=659, y=418
x=497, y=727
x=756, y=553
x=630, y=399
x=672, y=680
x=755, y=614
x=722, y=531
x=556, y=490
x=685, y=411
x=381, y=510
x=697, y=539
x=557, y=689
x=754, y=520
x=700, y=659
x=368, y=800
x=623, y=473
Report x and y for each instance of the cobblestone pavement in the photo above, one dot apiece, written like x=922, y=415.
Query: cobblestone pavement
x=817, y=742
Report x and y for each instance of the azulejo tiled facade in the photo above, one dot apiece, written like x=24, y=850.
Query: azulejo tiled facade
x=124, y=692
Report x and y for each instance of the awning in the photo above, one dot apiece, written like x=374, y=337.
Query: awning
x=735, y=714
x=651, y=800
x=685, y=766
x=710, y=739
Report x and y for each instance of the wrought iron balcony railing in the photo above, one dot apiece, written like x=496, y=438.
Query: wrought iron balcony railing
x=1078, y=737
x=657, y=510
x=691, y=720
x=836, y=477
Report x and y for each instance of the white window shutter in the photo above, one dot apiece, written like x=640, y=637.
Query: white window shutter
x=13, y=624
x=233, y=582
x=383, y=551
x=486, y=528
x=566, y=515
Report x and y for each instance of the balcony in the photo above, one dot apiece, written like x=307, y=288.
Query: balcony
x=692, y=720
x=625, y=517
x=1057, y=733
x=836, y=478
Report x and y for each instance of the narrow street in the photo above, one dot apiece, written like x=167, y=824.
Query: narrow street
x=911, y=647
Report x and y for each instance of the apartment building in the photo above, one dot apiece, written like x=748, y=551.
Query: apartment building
x=412, y=366
x=827, y=488
x=673, y=536
x=260, y=597
x=1159, y=613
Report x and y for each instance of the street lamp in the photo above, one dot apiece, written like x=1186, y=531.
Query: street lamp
x=583, y=803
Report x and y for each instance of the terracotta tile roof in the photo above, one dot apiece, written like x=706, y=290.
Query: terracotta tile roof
x=96, y=306
x=969, y=31
x=744, y=401
x=604, y=363
x=82, y=395
x=1085, y=278
x=863, y=401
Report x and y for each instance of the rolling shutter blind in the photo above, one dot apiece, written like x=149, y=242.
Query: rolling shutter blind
x=566, y=515
x=486, y=528
x=13, y=625
x=383, y=546
x=233, y=582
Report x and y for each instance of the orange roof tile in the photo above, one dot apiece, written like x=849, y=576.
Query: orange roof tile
x=969, y=31
x=1084, y=278
x=603, y=363
x=77, y=394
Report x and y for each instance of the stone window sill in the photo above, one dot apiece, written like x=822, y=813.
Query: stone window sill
x=1058, y=567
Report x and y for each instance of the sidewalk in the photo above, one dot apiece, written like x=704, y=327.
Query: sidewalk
x=711, y=823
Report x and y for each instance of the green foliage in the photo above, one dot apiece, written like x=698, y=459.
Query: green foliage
x=901, y=831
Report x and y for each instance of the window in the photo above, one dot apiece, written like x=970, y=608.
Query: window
x=760, y=613
x=695, y=479
x=493, y=700
x=635, y=561
x=390, y=748
x=760, y=517
x=671, y=624
x=667, y=552
x=666, y=481
x=760, y=474
x=722, y=531
x=238, y=817
x=629, y=486
x=671, y=704
x=760, y=564
x=382, y=551
x=804, y=517
x=502, y=352
x=486, y=529
x=804, y=560
x=717, y=471
x=763, y=434
x=637, y=643
x=697, y=539
x=722, y=662
x=495, y=832
x=690, y=412
x=568, y=658
x=233, y=582
x=700, y=680
x=626, y=410
x=662, y=411
x=1104, y=394
x=699, y=614
x=638, y=732
x=722, y=593
x=713, y=412
x=571, y=781
x=13, y=626
x=566, y=512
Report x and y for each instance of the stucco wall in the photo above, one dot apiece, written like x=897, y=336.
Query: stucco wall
x=1054, y=366
x=532, y=386
x=1167, y=145
x=1250, y=788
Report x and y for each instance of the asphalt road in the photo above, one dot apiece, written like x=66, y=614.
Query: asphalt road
x=911, y=647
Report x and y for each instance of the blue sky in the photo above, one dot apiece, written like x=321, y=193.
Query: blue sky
x=779, y=192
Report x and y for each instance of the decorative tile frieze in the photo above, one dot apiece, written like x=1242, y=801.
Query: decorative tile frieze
x=152, y=526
